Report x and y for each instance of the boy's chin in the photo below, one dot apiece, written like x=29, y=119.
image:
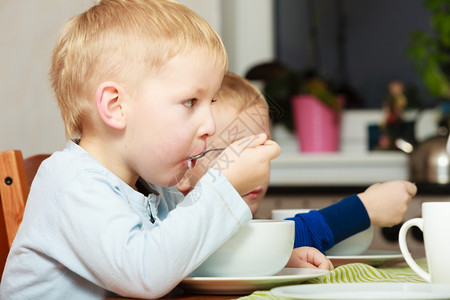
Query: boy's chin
x=183, y=186
x=169, y=181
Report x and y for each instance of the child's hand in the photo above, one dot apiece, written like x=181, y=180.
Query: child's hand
x=246, y=162
x=309, y=257
x=386, y=203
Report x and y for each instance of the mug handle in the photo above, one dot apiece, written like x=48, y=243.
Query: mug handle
x=404, y=248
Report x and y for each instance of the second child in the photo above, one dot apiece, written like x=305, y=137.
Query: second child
x=241, y=110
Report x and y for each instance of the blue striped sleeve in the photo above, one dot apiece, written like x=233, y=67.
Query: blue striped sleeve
x=324, y=228
x=312, y=230
x=346, y=218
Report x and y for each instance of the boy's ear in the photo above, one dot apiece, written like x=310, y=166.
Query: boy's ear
x=109, y=101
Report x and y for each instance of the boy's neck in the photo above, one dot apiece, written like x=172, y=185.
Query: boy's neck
x=106, y=154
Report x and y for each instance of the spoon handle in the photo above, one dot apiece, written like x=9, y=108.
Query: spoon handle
x=203, y=154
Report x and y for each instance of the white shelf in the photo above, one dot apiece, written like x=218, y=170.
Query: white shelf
x=340, y=169
x=354, y=165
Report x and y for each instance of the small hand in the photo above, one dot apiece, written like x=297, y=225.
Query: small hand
x=386, y=203
x=248, y=162
x=309, y=257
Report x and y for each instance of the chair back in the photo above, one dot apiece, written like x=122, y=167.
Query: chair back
x=16, y=175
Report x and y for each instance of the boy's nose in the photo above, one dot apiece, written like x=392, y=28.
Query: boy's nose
x=208, y=127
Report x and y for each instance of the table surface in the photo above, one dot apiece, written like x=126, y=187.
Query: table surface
x=178, y=294
x=352, y=272
x=191, y=297
x=199, y=297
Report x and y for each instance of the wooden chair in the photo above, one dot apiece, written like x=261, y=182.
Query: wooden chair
x=16, y=175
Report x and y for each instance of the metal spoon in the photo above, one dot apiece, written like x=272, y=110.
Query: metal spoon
x=190, y=159
x=203, y=154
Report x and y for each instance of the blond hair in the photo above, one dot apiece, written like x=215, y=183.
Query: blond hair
x=240, y=93
x=124, y=41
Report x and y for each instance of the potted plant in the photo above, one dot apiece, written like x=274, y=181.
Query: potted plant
x=304, y=102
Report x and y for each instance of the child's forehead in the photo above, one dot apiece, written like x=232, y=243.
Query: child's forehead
x=256, y=118
x=191, y=73
x=232, y=127
x=201, y=58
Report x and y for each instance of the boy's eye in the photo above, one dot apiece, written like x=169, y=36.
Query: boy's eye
x=189, y=103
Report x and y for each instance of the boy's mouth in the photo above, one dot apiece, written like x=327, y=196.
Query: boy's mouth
x=253, y=194
x=191, y=163
x=191, y=160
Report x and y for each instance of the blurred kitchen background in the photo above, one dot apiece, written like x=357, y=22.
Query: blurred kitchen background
x=358, y=47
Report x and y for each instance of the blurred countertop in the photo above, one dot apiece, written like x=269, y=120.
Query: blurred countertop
x=353, y=167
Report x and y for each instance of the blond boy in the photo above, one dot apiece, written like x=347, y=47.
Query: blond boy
x=135, y=81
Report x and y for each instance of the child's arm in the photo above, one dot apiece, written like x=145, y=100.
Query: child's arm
x=380, y=205
x=386, y=203
x=308, y=257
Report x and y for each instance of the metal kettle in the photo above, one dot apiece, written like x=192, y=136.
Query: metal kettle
x=429, y=161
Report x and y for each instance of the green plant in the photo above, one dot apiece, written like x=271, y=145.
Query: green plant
x=322, y=89
x=430, y=53
x=281, y=83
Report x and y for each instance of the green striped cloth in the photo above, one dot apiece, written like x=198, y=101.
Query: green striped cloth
x=357, y=272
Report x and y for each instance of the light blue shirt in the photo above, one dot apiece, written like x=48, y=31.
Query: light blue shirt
x=87, y=235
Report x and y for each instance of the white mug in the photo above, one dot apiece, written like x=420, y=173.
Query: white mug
x=435, y=225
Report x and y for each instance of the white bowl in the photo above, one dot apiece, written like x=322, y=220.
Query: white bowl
x=281, y=214
x=354, y=245
x=261, y=248
x=357, y=244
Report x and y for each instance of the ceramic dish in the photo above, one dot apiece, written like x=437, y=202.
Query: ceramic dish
x=353, y=291
x=247, y=253
x=247, y=285
x=370, y=257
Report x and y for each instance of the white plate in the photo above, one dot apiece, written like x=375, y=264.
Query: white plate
x=247, y=285
x=351, y=291
x=370, y=257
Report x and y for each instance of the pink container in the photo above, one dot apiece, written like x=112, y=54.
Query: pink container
x=316, y=125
